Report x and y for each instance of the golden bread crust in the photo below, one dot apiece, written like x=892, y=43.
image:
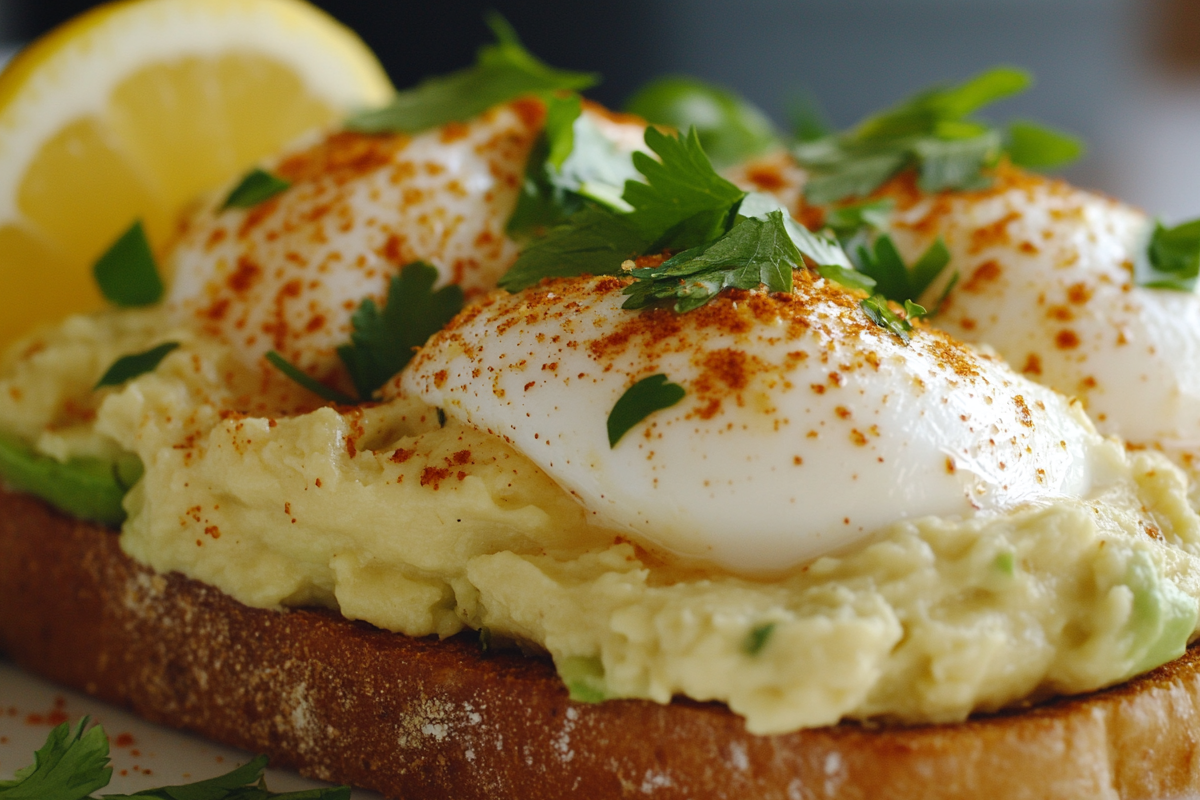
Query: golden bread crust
x=419, y=718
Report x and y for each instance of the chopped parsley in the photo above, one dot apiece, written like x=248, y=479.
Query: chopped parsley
x=127, y=273
x=895, y=280
x=74, y=763
x=723, y=237
x=934, y=132
x=593, y=241
x=876, y=308
x=129, y=367
x=1037, y=146
x=71, y=765
x=572, y=161
x=754, y=252
x=257, y=187
x=640, y=401
x=730, y=128
x=307, y=381
x=1171, y=258
x=757, y=638
x=503, y=71
x=684, y=202
x=384, y=341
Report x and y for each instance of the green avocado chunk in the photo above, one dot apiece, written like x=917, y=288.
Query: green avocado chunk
x=1163, y=616
x=89, y=489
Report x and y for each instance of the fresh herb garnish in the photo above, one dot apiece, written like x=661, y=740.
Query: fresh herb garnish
x=89, y=489
x=384, y=341
x=846, y=221
x=71, y=765
x=257, y=187
x=503, y=71
x=128, y=367
x=729, y=127
x=1171, y=259
x=754, y=252
x=934, y=132
x=757, y=638
x=893, y=279
x=572, y=162
x=850, y=278
x=593, y=241
x=640, y=401
x=876, y=308
x=74, y=763
x=127, y=273
x=684, y=202
x=307, y=381
x=1038, y=146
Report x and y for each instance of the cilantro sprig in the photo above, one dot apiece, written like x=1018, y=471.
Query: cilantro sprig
x=935, y=132
x=503, y=71
x=384, y=340
x=74, y=763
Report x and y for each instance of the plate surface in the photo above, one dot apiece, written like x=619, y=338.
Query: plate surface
x=144, y=756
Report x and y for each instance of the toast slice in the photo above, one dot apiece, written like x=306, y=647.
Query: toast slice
x=421, y=718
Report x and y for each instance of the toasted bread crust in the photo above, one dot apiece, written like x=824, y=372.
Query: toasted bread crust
x=419, y=718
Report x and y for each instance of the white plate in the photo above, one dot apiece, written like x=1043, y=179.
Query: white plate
x=144, y=756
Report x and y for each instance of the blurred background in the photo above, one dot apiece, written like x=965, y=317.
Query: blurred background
x=1125, y=74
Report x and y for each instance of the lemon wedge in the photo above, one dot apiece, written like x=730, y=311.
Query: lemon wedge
x=133, y=109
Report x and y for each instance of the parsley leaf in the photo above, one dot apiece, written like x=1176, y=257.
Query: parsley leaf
x=69, y=766
x=845, y=221
x=127, y=273
x=684, y=202
x=730, y=128
x=757, y=639
x=384, y=341
x=128, y=367
x=593, y=241
x=503, y=71
x=893, y=279
x=640, y=401
x=1171, y=259
x=940, y=110
x=244, y=783
x=307, y=381
x=89, y=489
x=933, y=132
x=1040, y=147
x=850, y=278
x=754, y=252
x=822, y=251
x=876, y=308
x=257, y=187
x=72, y=764
x=573, y=160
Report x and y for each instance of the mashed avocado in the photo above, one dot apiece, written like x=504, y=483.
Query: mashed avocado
x=392, y=518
